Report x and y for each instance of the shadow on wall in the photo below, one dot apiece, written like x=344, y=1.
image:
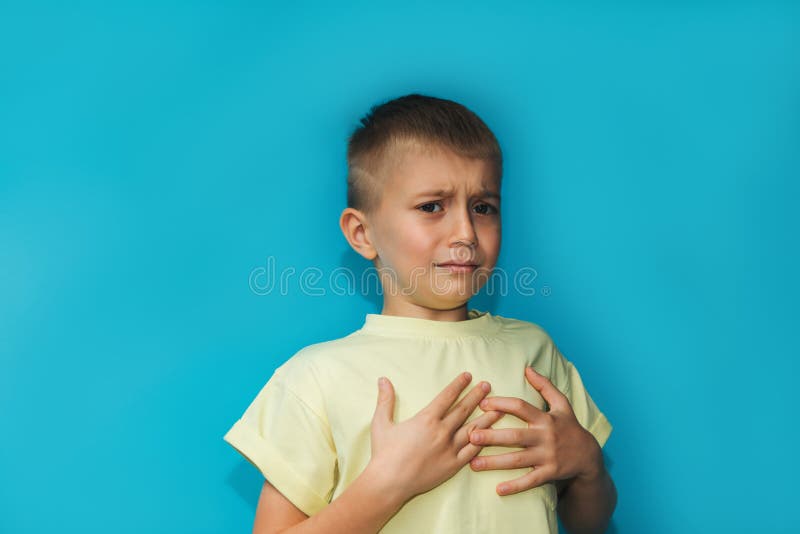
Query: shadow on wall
x=246, y=480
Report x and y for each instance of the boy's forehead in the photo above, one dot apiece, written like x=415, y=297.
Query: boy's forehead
x=421, y=170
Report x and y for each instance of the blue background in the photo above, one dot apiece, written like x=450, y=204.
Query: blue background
x=153, y=155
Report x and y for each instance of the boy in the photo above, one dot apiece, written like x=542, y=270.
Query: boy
x=424, y=206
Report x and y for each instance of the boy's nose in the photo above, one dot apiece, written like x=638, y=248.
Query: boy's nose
x=464, y=230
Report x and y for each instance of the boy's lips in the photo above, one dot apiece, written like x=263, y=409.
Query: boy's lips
x=455, y=267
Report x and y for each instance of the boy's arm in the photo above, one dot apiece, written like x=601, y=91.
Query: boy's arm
x=585, y=503
x=275, y=512
x=363, y=508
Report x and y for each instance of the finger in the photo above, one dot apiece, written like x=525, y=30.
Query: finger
x=469, y=450
x=384, y=411
x=462, y=410
x=442, y=402
x=486, y=420
x=547, y=390
x=507, y=437
x=513, y=405
x=535, y=477
x=509, y=460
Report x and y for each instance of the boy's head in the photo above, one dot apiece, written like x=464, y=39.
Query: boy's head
x=423, y=191
x=414, y=120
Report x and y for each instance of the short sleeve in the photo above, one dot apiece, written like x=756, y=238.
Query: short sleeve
x=290, y=443
x=566, y=378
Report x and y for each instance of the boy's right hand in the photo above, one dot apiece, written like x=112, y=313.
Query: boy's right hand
x=420, y=453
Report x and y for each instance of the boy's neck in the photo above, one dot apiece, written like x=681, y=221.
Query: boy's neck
x=409, y=309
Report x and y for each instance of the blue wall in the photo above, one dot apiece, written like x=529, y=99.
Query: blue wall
x=153, y=155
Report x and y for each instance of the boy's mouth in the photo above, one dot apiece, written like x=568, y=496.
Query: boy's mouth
x=457, y=267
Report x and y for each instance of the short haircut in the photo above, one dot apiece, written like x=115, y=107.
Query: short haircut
x=412, y=120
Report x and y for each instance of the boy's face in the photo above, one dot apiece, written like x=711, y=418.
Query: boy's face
x=436, y=208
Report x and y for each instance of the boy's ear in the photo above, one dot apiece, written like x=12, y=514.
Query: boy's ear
x=354, y=227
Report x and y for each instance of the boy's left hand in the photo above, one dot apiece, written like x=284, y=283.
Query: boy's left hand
x=555, y=443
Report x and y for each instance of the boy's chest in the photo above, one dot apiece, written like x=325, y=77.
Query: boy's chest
x=419, y=372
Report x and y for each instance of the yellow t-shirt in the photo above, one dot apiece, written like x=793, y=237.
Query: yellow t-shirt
x=308, y=429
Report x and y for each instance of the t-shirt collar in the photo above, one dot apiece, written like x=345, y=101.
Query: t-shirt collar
x=479, y=323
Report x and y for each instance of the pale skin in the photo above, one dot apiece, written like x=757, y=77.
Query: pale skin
x=435, y=207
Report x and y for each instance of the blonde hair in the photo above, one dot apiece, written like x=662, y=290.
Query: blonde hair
x=417, y=120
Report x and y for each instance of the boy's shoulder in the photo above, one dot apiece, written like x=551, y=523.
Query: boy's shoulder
x=315, y=353
x=529, y=333
x=304, y=373
x=305, y=364
x=522, y=326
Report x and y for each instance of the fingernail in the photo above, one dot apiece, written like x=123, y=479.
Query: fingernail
x=476, y=437
x=381, y=382
x=486, y=387
x=484, y=404
x=502, y=488
x=477, y=462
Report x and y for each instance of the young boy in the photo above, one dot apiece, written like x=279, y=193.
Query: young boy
x=424, y=206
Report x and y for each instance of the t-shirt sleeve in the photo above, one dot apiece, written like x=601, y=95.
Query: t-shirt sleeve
x=289, y=441
x=566, y=378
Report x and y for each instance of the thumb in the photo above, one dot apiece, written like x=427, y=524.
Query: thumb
x=384, y=411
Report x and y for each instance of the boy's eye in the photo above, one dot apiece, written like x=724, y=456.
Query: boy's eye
x=486, y=209
x=482, y=208
x=428, y=205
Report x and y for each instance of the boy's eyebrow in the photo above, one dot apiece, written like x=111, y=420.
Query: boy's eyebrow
x=449, y=192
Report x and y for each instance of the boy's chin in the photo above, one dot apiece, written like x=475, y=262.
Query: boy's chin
x=450, y=301
x=459, y=291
